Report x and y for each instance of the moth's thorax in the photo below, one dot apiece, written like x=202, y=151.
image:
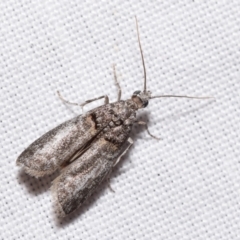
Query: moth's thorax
x=114, y=121
x=123, y=112
x=114, y=114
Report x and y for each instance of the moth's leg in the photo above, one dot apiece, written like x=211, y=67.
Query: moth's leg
x=117, y=83
x=146, y=126
x=65, y=101
x=106, y=100
x=109, y=185
x=130, y=141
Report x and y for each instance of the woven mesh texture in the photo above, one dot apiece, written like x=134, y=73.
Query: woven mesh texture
x=186, y=186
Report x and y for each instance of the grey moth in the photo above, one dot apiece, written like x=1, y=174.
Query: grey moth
x=86, y=148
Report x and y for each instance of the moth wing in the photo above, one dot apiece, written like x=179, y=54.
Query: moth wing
x=79, y=180
x=49, y=152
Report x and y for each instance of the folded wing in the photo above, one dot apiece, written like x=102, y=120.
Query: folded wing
x=58, y=146
x=80, y=179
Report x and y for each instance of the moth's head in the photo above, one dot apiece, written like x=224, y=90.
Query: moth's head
x=141, y=98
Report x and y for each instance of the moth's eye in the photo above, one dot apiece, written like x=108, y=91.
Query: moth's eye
x=136, y=92
x=145, y=103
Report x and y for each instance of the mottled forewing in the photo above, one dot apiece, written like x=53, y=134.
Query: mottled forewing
x=80, y=179
x=57, y=146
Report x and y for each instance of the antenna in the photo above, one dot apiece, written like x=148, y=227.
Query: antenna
x=145, y=75
x=179, y=96
x=143, y=63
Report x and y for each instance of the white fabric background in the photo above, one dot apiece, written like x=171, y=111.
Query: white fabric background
x=186, y=186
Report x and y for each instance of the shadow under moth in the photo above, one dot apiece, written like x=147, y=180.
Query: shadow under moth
x=86, y=148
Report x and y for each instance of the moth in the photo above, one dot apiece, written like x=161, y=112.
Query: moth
x=86, y=148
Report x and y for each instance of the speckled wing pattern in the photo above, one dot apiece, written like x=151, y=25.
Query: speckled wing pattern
x=80, y=179
x=54, y=148
x=84, y=148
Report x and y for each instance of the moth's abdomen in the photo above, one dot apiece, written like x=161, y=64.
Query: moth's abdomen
x=57, y=146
